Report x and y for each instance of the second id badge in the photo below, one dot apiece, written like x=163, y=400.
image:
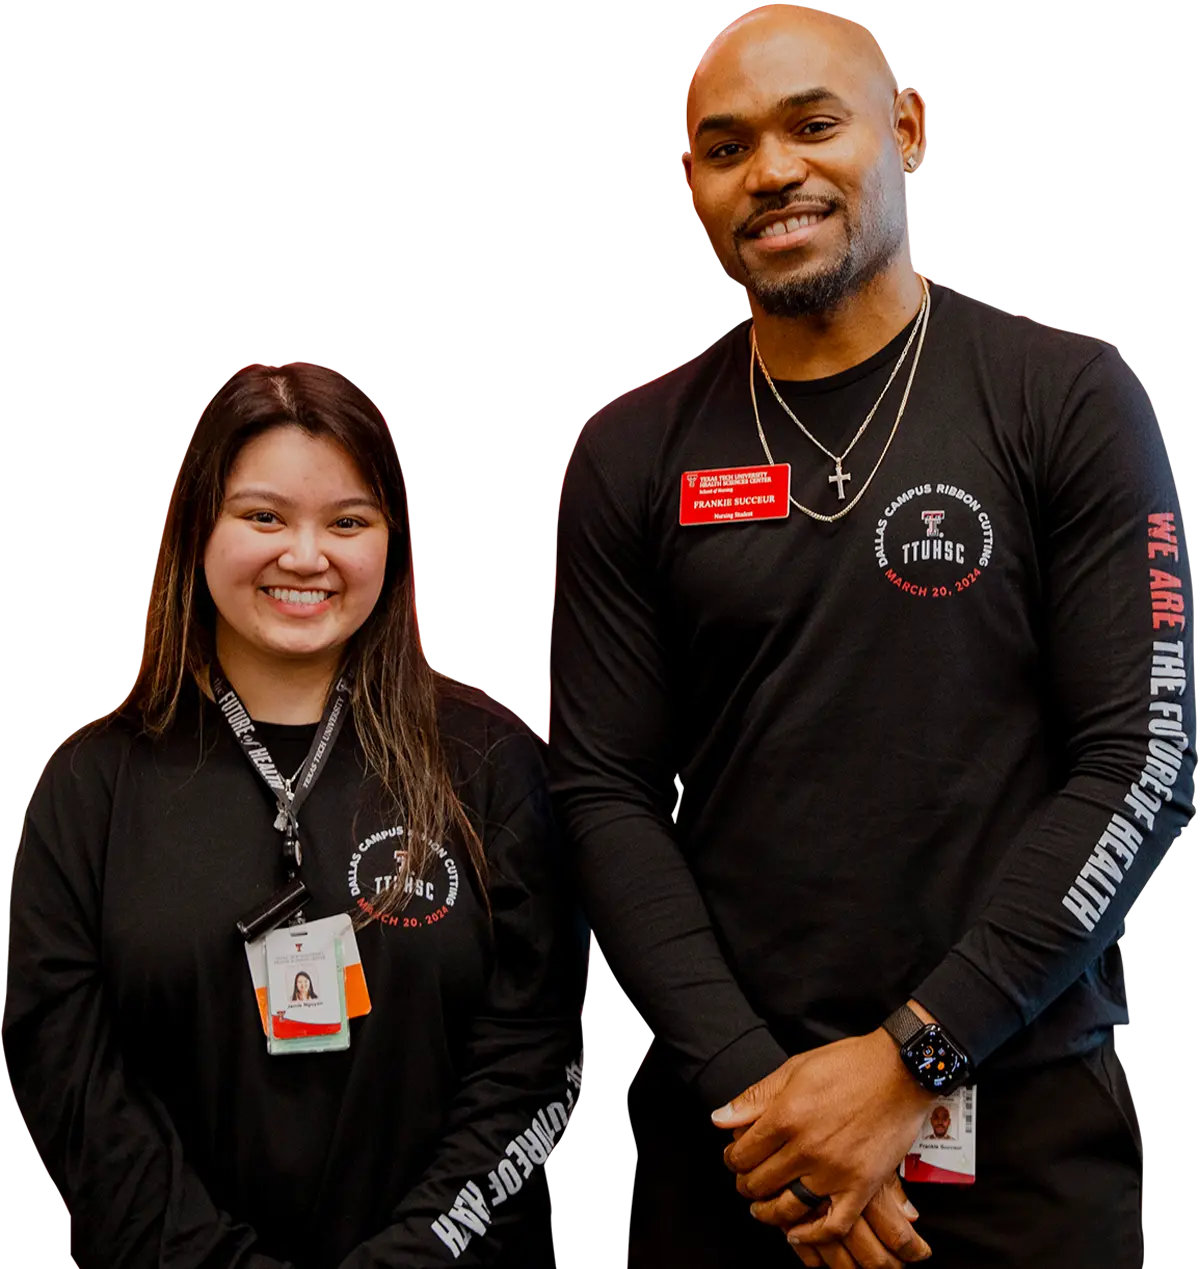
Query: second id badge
x=945, y=1148
x=309, y=982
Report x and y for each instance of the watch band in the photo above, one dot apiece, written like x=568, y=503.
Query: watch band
x=903, y=1024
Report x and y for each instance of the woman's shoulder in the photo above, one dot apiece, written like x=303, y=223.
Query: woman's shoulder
x=93, y=752
x=79, y=782
x=89, y=763
x=485, y=741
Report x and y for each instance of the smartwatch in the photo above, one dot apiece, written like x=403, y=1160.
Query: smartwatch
x=932, y=1057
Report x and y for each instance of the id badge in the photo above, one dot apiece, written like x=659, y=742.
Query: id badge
x=308, y=982
x=733, y=495
x=945, y=1148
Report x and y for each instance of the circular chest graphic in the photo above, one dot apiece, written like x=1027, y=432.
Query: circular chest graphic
x=374, y=866
x=933, y=541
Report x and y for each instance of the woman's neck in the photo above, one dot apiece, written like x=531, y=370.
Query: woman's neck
x=276, y=689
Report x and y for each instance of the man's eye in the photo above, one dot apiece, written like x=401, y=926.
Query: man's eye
x=725, y=151
x=814, y=127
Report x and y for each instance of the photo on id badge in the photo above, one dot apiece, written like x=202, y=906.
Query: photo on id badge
x=945, y=1147
x=300, y=981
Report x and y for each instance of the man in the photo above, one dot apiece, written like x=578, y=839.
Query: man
x=896, y=584
x=939, y=1124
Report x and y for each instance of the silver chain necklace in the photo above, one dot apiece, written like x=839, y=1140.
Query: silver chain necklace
x=839, y=477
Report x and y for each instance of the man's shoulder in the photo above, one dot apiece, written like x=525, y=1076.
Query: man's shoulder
x=637, y=420
x=1024, y=340
x=1059, y=378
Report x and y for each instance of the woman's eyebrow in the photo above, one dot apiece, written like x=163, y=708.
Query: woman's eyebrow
x=263, y=494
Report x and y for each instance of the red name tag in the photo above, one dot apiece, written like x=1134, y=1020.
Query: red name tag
x=728, y=495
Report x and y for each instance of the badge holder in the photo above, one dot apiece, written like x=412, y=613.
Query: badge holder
x=308, y=982
x=306, y=990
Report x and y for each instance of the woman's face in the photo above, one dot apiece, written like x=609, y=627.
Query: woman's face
x=303, y=987
x=296, y=559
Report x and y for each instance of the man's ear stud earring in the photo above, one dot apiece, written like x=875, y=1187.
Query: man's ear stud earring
x=911, y=162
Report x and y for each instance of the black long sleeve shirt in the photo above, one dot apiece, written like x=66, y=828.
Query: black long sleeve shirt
x=134, y=1041
x=933, y=749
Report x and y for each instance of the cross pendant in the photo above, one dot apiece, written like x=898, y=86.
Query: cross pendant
x=839, y=478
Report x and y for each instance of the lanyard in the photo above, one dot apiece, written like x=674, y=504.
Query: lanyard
x=288, y=794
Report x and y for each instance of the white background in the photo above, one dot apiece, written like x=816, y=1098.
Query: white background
x=477, y=213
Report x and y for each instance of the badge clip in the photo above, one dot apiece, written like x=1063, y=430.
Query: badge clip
x=282, y=905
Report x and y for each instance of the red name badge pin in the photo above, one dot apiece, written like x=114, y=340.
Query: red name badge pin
x=729, y=495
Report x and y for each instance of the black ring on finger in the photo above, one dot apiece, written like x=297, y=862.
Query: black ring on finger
x=805, y=1195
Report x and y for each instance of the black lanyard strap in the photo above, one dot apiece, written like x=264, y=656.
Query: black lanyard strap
x=288, y=799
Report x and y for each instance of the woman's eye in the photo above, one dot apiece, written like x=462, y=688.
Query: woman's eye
x=263, y=517
x=349, y=522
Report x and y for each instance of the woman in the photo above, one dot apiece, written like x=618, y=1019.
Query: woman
x=302, y=988
x=136, y=1048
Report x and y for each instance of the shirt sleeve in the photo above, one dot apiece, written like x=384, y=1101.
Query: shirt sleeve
x=108, y=1143
x=1118, y=668
x=483, y=1198
x=613, y=762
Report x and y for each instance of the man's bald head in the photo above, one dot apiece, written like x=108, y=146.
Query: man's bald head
x=799, y=143
x=782, y=28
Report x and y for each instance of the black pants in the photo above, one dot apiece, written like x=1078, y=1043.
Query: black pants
x=1059, y=1176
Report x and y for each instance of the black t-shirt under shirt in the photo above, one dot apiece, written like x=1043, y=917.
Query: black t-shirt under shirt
x=135, y=1045
x=919, y=746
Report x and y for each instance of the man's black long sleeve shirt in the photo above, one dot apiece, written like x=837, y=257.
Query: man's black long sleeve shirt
x=933, y=749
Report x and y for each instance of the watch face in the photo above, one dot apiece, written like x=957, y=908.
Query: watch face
x=934, y=1060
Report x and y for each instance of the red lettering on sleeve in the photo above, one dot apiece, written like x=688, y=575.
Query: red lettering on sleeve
x=1162, y=526
x=1166, y=597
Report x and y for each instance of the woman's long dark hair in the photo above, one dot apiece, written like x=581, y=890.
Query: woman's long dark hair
x=395, y=691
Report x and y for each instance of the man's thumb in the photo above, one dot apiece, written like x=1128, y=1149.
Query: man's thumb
x=746, y=1107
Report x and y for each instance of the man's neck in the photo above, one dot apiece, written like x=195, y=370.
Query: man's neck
x=824, y=344
x=276, y=689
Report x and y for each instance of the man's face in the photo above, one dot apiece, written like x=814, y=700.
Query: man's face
x=795, y=169
x=939, y=1121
